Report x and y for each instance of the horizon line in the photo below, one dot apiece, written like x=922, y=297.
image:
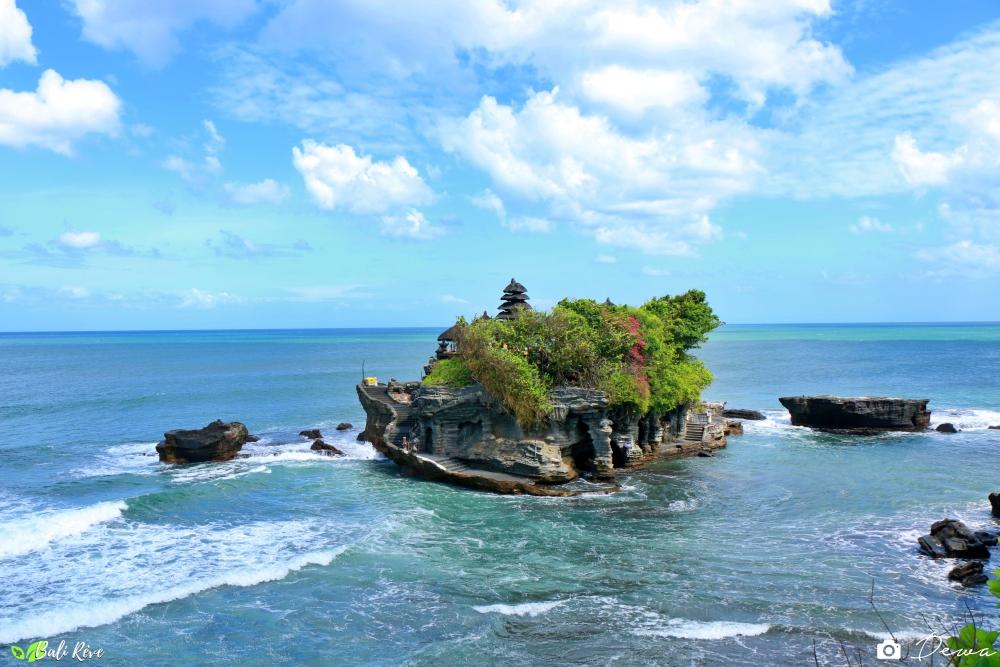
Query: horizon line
x=435, y=327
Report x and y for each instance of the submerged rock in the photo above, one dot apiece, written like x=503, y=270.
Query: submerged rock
x=952, y=539
x=968, y=574
x=858, y=413
x=995, y=503
x=219, y=441
x=739, y=413
x=345, y=426
x=946, y=427
x=311, y=434
x=324, y=448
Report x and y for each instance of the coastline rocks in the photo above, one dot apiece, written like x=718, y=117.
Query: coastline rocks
x=995, y=503
x=949, y=538
x=219, y=441
x=946, y=427
x=323, y=448
x=866, y=413
x=311, y=434
x=345, y=426
x=738, y=413
x=734, y=427
x=995, y=428
x=968, y=574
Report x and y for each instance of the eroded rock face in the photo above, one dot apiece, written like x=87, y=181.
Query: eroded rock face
x=946, y=427
x=858, y=413
x=968, y=574
x=466, y=429
x=219, y=441
x=737, y=413
x=325, y=448
x=995, y=503
x=953, y=539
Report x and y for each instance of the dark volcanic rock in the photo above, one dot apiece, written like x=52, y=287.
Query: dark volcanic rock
x=858, y=413
x=995, y=428
x=968, y=574
x=738, y=413
x=253, y=438
x=946, y=427
x=995, y=503
x=311, y=434
x=329, y=450
x=952, y=539
x=734, y=427
x=345, y=426
x=219, y=441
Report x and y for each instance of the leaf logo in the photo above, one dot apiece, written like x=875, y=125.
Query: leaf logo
x=37, y=650
x=17, y=652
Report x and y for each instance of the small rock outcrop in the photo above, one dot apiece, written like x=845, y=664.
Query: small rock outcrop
x=311, y=434
x=995, y=503
x=866, y=413
x=734, y=427
x=219, y=441
x=324, y=448
x=969, y=574
x=345, y=426
x=739, y=413
x=946, y=427
x=949, y=538
x=995, y=428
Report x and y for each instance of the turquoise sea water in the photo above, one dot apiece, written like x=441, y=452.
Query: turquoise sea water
x=286, y=557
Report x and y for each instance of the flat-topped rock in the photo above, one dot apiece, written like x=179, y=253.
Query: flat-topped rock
x=741, y=413
x=219, y=441
x=949, y=538
x=875, y=413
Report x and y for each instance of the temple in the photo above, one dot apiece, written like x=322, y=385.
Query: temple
x=462, y=436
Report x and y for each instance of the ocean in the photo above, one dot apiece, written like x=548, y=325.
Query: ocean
x=787, y=542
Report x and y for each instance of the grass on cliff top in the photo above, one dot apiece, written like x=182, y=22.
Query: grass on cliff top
x=638, y=356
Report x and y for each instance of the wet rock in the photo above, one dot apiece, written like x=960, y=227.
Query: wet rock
x=311, y=433
x=219, y=441
x=706, y=454
x=952, y=539
x=324, y=448
x=968, y=574
x=946, y=427
x=739, y=413
x=995, y=503
x=987, y=538
x=345, y=426
x=995, y=428
x=253, y=438
x=734, y=427
x=866, y=413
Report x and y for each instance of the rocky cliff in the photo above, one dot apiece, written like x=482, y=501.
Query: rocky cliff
x=858, y=413
x=455, y=434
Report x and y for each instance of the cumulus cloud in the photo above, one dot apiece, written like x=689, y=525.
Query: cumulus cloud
x=413, y=224
x=267, y=191
x=337, y=177
x=15, y=35
x=867, y=223
x=58, y=114
x=963, y=257
x=206, y=300
x=924, y=168
x=636, y=91
x=150, y=29
x=79, y=239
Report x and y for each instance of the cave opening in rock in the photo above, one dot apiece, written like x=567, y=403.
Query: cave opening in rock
x=618, y=458
x=428, y=441
x=582, y=451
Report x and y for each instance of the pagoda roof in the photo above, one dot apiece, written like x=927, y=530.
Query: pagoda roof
x=511, y=298
x=514, y=287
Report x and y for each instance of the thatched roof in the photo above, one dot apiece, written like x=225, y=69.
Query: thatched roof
x=514, y=287
x=451, y=333
x=514, y=298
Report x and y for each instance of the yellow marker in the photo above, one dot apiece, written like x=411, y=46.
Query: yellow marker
x=371, y=381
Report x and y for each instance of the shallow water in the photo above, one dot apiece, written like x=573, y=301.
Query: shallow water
x=287, y=557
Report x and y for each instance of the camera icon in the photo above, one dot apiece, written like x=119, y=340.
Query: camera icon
x=888, y=650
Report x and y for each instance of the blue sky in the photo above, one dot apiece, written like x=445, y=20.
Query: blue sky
x=310, y=163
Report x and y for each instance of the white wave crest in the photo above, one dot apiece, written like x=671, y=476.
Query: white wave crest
x=687, y=629
x=524, y=609
x=30, y=533
x=91, y=614
x=966, y=419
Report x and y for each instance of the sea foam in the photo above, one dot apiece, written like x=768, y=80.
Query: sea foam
x=524, y=609
x=687, y=629
x=30, y=533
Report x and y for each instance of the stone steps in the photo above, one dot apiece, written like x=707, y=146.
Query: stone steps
x=694, y=432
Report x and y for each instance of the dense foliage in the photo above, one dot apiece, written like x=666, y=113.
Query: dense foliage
x=638, y=356
x=974, y=646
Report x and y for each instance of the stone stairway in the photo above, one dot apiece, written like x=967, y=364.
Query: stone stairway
x=694, y=432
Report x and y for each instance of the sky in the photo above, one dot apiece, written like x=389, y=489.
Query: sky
x=312, y=163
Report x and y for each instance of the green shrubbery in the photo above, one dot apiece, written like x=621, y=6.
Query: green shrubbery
x=637, y=356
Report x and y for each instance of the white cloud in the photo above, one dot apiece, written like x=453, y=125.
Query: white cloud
x=74, y=292
x=529, y=223
x=413, y=224
x=198, y=172
x=337, y=177
x=490, y=201
x=79, y=240
x=606, y=259
x=205, y=300
x=963, y=257
x=149, y=29
x=920, y=168
x=267, y=191
x=451, y=298
x=867, y=223
x=58, y=114
x=15, y=35
x=636, y=91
